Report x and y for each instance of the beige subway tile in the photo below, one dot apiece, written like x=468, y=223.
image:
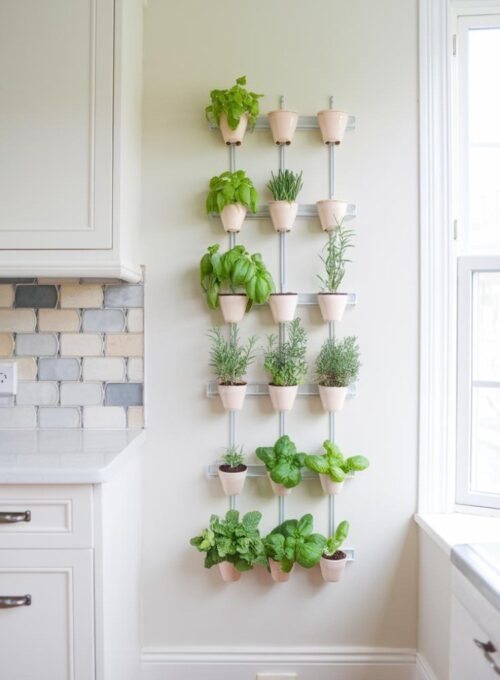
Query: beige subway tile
x=135, y=320
x=6, y=295
x=6, y=344
x=135, y=416
x=78, y=295
x=124, y=344
x=17, y=320
x=26, y=368
x=58, y=320
x=81, y=345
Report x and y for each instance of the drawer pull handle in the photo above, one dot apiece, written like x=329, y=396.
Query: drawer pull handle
x=13, y=517
x=488, y=648
x=10, y=601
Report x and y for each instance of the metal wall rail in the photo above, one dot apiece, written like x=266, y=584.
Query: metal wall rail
x=262, y=390
x=304, y=123
x=305, y=210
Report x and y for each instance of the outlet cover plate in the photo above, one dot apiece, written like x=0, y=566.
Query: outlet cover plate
x=8, y=378
x=277, y=676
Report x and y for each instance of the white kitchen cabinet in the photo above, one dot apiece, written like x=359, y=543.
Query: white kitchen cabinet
x=70, y=110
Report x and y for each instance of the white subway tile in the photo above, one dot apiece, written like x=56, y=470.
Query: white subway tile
x=103, y=417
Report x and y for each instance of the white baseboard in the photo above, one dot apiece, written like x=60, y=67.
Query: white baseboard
x=310, y=663
x=424, y=671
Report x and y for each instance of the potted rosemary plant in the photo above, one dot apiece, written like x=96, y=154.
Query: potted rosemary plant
x=229, y=361
x=333, y=468
x=230, y=194
x=286, y=364
x=337, y=366
x=285, y=187
x=283, y=465
x=331, y=302
x=333, y=560
x=333, y=125
x=283, y=124
x=232, y=110
x=232, y=471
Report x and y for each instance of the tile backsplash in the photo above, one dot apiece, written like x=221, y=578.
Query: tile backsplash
x=79, y=349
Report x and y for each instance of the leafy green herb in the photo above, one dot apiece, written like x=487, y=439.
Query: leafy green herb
x=285, y=186
x=333, y=463
x=234, y=103
x=338, y=362
x=233, y=456
x=231, y=187
x=293, y=541
x=228, y=359
x=282, y=461
x=339, y=242
x=286, y=363
x=236, y=269
x=334, y=542
x=233, y=541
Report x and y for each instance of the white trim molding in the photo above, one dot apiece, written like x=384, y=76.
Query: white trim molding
x=311, y=663
x=424, y=671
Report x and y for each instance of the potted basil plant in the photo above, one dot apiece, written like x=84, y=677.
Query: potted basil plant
x=233, y=545
x=233, y=110
x=337, y=366
x=331, y=302
x=229, y=361
x=286, y=365
x=230, y=194
x=232, y=471
x=333, y=560
x=283, y=465
x=293, y=542
x=333, y=468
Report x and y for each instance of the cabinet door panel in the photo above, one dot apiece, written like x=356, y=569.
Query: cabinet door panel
x=467, y=660
x=52, y=639
x=56, y=108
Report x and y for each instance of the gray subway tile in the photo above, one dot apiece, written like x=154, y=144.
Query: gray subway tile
x=35, y=393
x=35, y=297
x=58, y=417
x=124, y=296
x=36, y=344
x=124, y=394
x=81, y=394
x=58, y=369
x=103, y=320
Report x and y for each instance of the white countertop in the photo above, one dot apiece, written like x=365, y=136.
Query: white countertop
x=65, y=456
x=480, y=564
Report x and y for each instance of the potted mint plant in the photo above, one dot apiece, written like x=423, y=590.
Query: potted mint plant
x=230, y=194
x=333, y=560
x=283, y=124
x=229, y=361
x=233, y=110
x=234, y=546
x=331, y=302
x=232, y=471
x=283, y=465
x=286, y=365
x=333, y=468
x=337, y=366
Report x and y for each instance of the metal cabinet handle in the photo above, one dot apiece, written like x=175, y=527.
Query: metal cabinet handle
x=10, y=601
x=488, y=648
x=13, y=517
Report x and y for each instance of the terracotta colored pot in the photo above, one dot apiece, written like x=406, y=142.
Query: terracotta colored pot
x=232, y=482
x=333, y=125
x=283, y=214
x=229, y=572
x=283, y=124
x=332, y=306
x=233, y=306
x=233, y=136
x=232, y=396
x=283, y=306
x=331, y=213
x=279, y=489
x=331, y=570
x=276, y=572
x=233, y=216
x=332, y=398
x=330, y=487
x=283, y=398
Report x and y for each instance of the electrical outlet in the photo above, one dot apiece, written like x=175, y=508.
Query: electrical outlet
x=8, y=378
x=277, y=676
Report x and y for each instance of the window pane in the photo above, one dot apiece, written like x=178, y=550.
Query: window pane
x=485, y=444
x=486, y=326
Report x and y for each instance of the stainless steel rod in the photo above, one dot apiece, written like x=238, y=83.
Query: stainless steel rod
x=282, y=238
x=232, y=502
x=232, y=158
x=281, y=509
x=331, y=170
x=282, y=423
x=331, y=515
x=232, y=428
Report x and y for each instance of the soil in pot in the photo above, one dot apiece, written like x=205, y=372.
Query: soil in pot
x=337, y=555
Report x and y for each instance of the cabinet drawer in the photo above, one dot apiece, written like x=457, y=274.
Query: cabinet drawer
x=34, y=516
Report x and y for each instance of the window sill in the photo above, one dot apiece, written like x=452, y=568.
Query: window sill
x=456, y=528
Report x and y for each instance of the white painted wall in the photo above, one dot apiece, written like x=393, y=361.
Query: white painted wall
x=365, y=54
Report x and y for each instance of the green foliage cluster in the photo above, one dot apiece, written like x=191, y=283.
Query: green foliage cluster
x=286, y=363
x=294, y=541
x=333, y=543
x=285, y=186
x=228, y=358
x=233, y=456
x=235, y=269
x=231, y=187
x=334, y=464
x=335, y=259
x=282, y=462
x=232, y=540
x=234, y=103
x=338, y=362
